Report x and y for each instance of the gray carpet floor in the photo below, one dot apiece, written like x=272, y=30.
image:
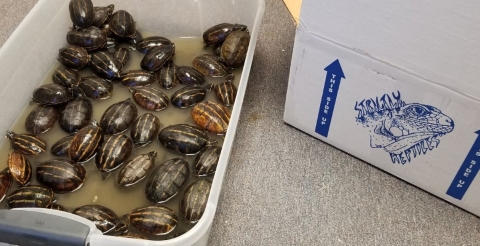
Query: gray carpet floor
x=284, y=187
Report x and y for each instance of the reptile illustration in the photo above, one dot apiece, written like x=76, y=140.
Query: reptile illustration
x=399, y=128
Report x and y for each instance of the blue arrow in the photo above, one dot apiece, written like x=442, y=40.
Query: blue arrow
x=467, y=172
x=329, y=97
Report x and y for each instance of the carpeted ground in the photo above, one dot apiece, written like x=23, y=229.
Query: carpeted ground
x=284, y=187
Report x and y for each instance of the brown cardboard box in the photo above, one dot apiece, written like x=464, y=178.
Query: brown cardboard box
x=294, y=8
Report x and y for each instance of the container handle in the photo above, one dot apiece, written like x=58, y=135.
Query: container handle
x=44, y=227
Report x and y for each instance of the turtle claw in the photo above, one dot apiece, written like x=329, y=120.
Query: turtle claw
x=229, y=77
x=104, y=175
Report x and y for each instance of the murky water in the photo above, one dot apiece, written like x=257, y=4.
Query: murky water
x=107, y=193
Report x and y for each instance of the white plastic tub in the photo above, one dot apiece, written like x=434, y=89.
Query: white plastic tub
x=32, y=48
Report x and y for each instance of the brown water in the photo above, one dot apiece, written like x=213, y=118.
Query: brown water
x=107, y=193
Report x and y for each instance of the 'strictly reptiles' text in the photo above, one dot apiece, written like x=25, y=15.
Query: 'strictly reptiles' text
x=403, y=130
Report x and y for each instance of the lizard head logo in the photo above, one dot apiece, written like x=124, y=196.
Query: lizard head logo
x=404, y=129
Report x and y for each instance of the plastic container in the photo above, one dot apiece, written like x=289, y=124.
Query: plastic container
x=32, y=48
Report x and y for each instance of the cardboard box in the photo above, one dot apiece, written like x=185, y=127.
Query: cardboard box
x=396, y=85
x=293, y=7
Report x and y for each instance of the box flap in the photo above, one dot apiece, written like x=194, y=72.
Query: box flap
x=436, y=40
